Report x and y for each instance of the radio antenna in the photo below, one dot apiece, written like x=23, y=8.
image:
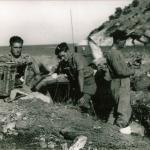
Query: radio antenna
x=72, y=33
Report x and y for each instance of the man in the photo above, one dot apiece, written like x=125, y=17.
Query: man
x=22, y=61
x=120, y=84
x=79, y=74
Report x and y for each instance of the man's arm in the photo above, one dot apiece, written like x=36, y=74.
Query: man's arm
x=31, y=61
x=80, y=66
x=119, y=65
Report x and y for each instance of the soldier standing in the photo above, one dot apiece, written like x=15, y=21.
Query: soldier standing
x=120, y=81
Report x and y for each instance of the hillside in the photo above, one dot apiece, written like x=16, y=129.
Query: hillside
x=131, y=22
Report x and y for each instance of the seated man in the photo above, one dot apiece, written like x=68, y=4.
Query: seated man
x=79, y=74
x=22, y=61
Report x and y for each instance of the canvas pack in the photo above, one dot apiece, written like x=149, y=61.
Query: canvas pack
x=7, y=78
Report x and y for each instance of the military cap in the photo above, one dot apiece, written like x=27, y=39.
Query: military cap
x=61, y=47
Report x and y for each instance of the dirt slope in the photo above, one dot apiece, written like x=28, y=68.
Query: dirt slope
x=59, y=124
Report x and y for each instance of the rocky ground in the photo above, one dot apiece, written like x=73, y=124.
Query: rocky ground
x=34, y=124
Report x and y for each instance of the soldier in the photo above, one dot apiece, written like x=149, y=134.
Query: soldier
x=80, y=75
x=21, y=60
x=120, y=81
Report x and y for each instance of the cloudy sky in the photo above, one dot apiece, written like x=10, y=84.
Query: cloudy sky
x=49, y=22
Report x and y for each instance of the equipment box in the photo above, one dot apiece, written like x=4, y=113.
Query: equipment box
x=7, y=78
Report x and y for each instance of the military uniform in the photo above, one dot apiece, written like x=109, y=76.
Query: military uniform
x=120, y=86
x=72, y=67
x=23, y=64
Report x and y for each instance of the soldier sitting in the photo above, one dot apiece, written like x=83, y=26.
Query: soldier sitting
x=21, y=61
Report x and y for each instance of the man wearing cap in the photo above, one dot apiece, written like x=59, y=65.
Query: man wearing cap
x=79, y=74
x=21, y=61
x=120, y=81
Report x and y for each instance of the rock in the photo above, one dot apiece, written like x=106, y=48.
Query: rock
x=97, y=127
x=39, y=96
x=21, y=124
x=43, y=143
x=79, y=143
x=70, y=133
x=51, y=145
x=12, y=132
x=19, y=115
x=126, y=130
x=138, y=129
x=9, y=126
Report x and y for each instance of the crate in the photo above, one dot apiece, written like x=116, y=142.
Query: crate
x=7, y=78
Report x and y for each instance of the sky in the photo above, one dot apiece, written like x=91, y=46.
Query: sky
x=51, y=22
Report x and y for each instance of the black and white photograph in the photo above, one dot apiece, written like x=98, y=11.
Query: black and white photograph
x=75, y=75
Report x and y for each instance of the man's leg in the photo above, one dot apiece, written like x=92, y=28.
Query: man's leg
x=124, y=109
x=42, y=86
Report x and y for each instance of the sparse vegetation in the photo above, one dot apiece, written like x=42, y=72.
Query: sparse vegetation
x=132, y=18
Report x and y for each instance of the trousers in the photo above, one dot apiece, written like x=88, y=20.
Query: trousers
x=120, y=89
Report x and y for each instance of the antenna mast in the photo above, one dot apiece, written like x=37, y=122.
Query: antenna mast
x=72, y=28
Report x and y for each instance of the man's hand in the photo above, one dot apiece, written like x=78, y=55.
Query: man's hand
x=81, y=101
x=100, y=63
x=22, y=79
x=102, y=67
x=54, y=75
x=84, y=103
x=60, y=77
